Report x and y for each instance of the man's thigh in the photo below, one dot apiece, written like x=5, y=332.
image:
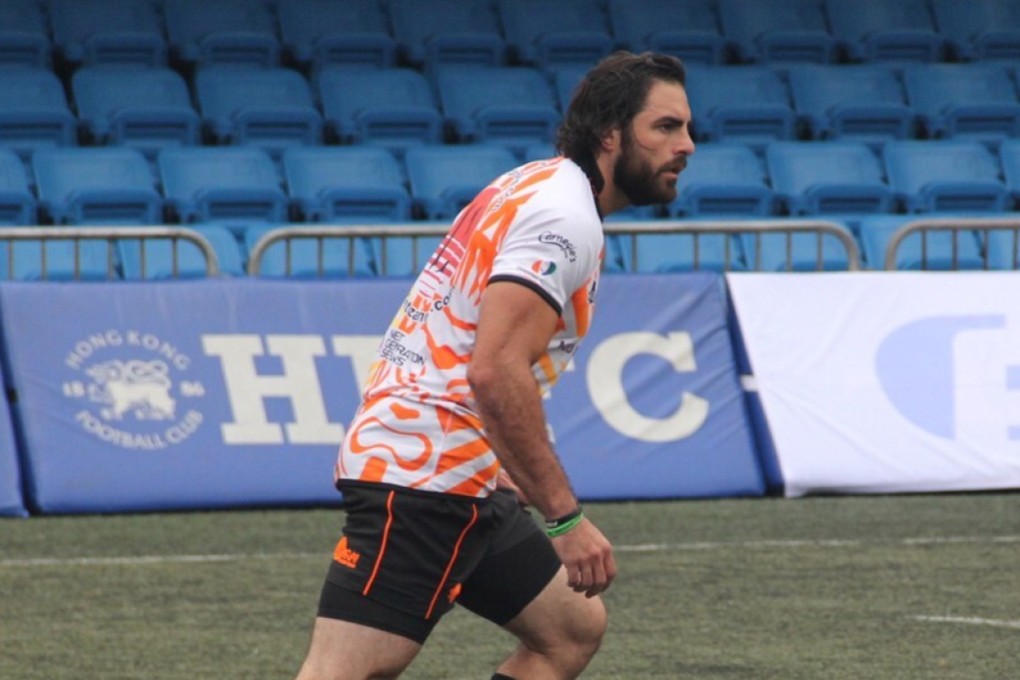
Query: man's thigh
x=341, y=650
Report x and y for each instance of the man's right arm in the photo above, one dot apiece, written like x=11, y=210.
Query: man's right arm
x=514, y=329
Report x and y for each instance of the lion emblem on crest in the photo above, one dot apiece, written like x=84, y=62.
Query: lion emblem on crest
x=141, y=388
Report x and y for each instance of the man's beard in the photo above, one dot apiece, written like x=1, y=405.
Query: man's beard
x=637, y=180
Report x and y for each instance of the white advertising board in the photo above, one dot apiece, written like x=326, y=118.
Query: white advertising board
x=887, y=382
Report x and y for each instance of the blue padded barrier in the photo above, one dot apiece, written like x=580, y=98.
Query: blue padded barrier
x=205, y=394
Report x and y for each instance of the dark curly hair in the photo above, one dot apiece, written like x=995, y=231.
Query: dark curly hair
x=609, y=96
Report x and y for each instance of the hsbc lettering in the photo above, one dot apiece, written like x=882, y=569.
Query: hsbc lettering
x=298, y=382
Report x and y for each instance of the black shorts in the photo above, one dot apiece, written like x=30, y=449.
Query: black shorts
x=406, y=556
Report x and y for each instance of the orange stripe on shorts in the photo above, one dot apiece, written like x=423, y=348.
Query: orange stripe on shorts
x=382, y=548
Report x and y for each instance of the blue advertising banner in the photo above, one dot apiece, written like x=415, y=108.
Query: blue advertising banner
x=204, y=394
x=653, y=407
x=10, y=476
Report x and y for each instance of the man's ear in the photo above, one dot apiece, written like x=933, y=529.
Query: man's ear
x=610, y=140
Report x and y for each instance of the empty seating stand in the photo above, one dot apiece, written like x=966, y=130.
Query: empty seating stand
x=222, y=32
x=548, y=34
x=94, y=32
x=745, y=104
x=147, y=109
x=24, y=36
x=320, y=33
x=815, y=178
x=977, y=101
x=347, y=184
x=96, y=186
x=393, y=107
x=945, y=176
x=515, y=107
x=862, y=102
x=980, y=29
x=777, y=30
x=33, y=111
x=687, y=29
x=432, y=33
x=233, y=186
x=270, y=108
x=885, y=30
x=723, y=180
x=446, y=178
x=17, y=204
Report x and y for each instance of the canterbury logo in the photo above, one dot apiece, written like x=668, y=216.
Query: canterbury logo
x=346, y=556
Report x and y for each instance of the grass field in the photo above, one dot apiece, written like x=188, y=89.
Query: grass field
x=860, y=587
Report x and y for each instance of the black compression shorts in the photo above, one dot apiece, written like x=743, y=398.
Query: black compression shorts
x=406, y=556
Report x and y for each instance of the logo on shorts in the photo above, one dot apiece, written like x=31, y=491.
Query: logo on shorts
x=454, y=592
x=133, y=390
x=345, y=556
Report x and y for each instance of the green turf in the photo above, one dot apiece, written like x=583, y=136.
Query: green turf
x=808, y=588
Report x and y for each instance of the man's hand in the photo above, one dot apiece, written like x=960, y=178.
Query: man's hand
x=588, y=557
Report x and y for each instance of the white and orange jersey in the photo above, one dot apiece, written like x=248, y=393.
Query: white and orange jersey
x=418, y=425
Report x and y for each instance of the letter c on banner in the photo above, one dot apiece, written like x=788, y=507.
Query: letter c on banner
x=605, y=385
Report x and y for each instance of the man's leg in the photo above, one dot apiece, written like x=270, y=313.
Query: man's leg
x=560, y=631
x=341, y=650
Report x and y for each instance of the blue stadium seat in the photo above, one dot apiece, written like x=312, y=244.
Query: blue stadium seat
x=319, y=33
x=435, y=32
x=777, y=30
x=553, y=33
x=980, y=29
x=311, y=257
x=945, y=176
x=538, y=152
x=975, y=101
x=24, y=36
x=885, y=30
x=222, y=32
x=565, y=80
x=233, y=186
x=347, y=184
x=155, y=258
x=104, y=185
x=33, y=111
x=723, y=179
x=745, y=104
x=933, y=250
x=815, y=178
x=862, y=103
x=94, y=32
x=684, y=28
x=393, y=107
x=1009, y=155
x=147, y=109
x=57, y=260
x=799, y=252
x=17, y=204
x=269, y=108
x=446, y=178
x=515, y=107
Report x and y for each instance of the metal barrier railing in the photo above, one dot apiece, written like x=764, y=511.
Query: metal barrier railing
x=954, y=225
x=416, y=231
x=110, y=234
x=759, y=228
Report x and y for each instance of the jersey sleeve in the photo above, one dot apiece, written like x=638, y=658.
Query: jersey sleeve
x=553, y=252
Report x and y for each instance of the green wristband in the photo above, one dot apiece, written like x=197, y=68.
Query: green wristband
x=558, y=527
